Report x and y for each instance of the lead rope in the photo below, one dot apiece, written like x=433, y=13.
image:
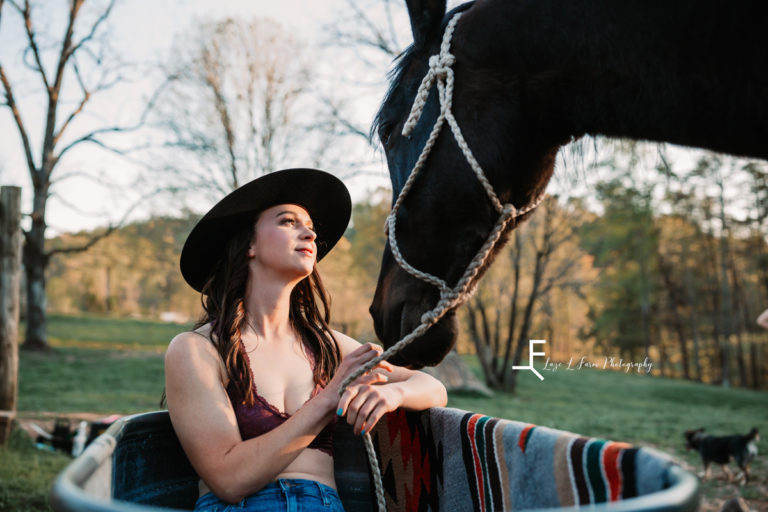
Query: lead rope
x=440, y=72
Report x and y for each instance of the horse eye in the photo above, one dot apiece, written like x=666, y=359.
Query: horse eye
x=385, y=134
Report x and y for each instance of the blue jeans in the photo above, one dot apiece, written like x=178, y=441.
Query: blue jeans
x=284, y=495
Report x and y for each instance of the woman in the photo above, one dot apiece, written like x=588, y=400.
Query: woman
x=253, y=391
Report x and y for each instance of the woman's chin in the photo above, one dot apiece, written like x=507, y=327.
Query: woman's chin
x=290, y=274
x=303, y=272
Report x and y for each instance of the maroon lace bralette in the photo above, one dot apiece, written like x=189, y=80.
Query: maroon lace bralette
x=262, y=416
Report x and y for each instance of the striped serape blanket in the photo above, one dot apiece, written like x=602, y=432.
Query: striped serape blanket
x=446, y=459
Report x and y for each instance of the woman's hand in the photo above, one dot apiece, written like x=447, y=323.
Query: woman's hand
x=351, y=363
x=381, y=390
x=365, y=402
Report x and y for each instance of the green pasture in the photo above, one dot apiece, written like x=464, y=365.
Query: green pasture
x=100, y=365
x=107, y=366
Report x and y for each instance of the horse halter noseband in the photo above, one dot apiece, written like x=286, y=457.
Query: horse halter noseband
x=441, y=73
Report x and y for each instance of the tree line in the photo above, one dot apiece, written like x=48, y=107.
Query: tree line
x=658, y=261
x=635, y=276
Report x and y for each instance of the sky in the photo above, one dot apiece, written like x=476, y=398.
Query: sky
x=143, y=31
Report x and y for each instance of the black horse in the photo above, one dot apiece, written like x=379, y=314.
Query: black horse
x=531, y=76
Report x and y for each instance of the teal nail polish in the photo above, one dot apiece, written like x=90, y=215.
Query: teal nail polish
x=340, y=412
x=362, y=432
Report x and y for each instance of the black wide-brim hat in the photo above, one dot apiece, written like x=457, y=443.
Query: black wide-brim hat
x=323, y=195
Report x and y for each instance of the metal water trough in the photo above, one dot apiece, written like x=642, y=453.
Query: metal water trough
x=138, y=465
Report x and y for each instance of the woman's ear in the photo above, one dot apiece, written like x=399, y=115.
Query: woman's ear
x=252, y=243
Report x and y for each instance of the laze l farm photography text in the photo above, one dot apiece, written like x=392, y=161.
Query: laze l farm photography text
x=604, y=363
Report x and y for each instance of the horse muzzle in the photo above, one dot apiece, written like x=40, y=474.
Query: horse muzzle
x=398, y=304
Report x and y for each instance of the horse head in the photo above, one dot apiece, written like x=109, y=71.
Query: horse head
x=529, y=76
x=447, y=215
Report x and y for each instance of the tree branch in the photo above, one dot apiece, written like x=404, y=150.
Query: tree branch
x=78, y=209
x=346, y=123
x=26, y=13
x=1, y=10
x=86, y=96
x=99, y=180
x=222, y=108
x=391, y=26
x=109, y=230
x=556, y=279
x=83, y=247
x=121, y=152
x=94, y=28
x=11, y=103
x=375, y=37
x=91, y=136
x=484, y=322
x=517, y=252
x=66, y=46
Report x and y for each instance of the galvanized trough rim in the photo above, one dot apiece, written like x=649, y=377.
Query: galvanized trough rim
x=68, y=493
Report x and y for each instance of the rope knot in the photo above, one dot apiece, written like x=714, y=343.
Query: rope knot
x=439, y=71
x=440, y=65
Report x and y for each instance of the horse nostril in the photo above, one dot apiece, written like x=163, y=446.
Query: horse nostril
x=388, y=324
x=401, y=314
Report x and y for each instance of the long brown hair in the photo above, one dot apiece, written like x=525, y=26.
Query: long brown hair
x=223, y=300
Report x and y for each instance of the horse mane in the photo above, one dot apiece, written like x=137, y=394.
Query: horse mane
x=400, y=64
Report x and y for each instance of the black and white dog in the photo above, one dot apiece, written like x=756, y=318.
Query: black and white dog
x=743, y=449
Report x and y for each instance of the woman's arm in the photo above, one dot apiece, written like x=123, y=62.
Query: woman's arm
x=366, y=401
x=205, y=423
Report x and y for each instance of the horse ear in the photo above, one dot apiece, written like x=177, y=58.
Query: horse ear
x=426, y=19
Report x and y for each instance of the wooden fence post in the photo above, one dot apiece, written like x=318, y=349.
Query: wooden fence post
x=10, y=272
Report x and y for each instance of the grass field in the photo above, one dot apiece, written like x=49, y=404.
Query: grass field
x=106, y=366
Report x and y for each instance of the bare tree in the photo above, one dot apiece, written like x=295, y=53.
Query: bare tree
x=373, y=33
x=542, y=257
x=371, y=25
x=238, y=104
x=82, y=55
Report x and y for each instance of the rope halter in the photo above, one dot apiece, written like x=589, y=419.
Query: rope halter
x=440, y=73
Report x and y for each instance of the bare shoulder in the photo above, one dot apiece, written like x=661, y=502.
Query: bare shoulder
x=193, y=351
x=190, y=343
